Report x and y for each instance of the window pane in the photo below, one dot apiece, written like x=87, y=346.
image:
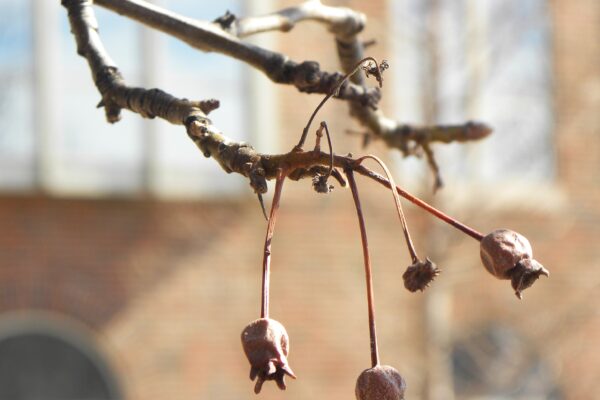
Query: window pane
x=16, y=132
x=493, y=64
x=78, y=151
x=90, y=153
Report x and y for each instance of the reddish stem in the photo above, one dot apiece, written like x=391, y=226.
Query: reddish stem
x=368, y=274
x=444, y=217
x=264, y=309
x=427, y=207
x=333, y=92
x=409, y=243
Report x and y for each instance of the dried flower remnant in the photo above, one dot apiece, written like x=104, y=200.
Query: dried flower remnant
x=419, y=275
x=381, y=382
x=320, y=184
x=508, y=255
x=376, y=70
x=266, y=345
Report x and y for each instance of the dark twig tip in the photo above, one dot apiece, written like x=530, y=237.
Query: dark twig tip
x=477, y=130
x=226, y=21
x=262, y=206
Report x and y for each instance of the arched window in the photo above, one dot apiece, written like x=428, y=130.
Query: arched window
x=40, y=362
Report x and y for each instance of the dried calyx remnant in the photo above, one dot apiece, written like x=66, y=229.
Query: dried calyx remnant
x=419, y=275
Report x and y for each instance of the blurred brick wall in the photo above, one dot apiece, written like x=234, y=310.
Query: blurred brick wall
x=168, y=286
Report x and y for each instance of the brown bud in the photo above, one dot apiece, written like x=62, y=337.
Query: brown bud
x=381, y=382
x=419, y=275
x=507, y=255
x=266, y=345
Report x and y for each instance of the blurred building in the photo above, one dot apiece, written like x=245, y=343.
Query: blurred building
x=129, y=263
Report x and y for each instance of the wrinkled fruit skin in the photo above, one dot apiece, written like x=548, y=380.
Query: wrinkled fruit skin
x=507, y=255
x=381, y=382
x=266, y=345
x=419, y=275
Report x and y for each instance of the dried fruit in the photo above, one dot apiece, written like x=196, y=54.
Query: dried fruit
x=419, y=275
x=266, y=344
x=381, y=382
x=507, y=255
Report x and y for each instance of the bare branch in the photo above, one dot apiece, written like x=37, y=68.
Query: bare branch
x=232, y=156
x=210, y=37
x=115, y=94
x=344, y=23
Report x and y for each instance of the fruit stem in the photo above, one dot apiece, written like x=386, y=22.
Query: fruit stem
x=420, y=203
x=266, y=273
x=409, y=243
x=439, y=214
x=333, y=92
x=368, y=274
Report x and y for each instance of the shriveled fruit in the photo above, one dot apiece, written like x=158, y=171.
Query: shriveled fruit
x=266, y=344
x=508, y=255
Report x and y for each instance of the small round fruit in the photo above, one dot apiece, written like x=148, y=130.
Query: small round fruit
x=381, y=382
x=507, y=255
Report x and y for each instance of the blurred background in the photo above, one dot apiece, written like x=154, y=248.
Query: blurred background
x=129, y=263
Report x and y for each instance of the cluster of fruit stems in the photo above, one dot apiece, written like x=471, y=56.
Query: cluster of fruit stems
x=349, y=172
x=281, y=176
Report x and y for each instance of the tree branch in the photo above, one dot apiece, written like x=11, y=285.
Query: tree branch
x=232, y=156
x=223, y=35
x=345, y=24
x=210, y=37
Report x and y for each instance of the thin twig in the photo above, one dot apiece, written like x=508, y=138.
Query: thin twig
x=368, y=270
x=438, y=183
x=262, y=206
x=210, y=37
x=323, y=127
